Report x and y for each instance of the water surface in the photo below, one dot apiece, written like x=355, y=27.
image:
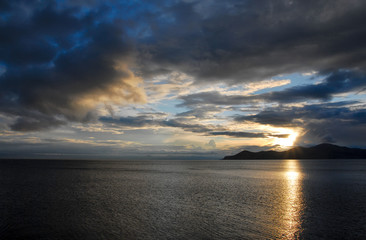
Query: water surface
x=259, y=199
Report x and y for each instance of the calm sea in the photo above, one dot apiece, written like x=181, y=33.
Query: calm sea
x=262, y=199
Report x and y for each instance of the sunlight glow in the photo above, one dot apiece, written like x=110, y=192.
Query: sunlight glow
x=289, y=141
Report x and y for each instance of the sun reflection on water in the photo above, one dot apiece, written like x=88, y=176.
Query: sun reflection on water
x=293, y=200
x=292, y=176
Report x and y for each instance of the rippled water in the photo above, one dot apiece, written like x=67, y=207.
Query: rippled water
x=266, y=199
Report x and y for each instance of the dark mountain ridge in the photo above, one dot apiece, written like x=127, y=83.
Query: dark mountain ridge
x=321, y=151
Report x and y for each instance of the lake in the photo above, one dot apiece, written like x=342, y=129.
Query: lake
x=246, y=199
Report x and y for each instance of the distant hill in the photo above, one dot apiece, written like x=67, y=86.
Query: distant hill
x=321, y=151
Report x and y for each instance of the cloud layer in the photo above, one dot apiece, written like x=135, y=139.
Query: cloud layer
x=63, y=58
x=337, y=123
x=205, y=66
x=61, y=63
x=240, y=41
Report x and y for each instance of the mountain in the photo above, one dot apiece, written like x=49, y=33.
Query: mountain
x=321, y=151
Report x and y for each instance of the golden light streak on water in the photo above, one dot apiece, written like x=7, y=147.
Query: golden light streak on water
x=293, y=200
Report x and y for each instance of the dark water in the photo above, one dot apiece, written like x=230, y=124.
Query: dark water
x=278, y=199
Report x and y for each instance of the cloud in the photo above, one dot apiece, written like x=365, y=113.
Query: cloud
x=294, y=116
x=266, y=84
x=239, y=134
x=338, y=82
x=202, y=112
x=147, y=121
x=205, y=129
x=167, y=86
x=59, y=67
x=248, y=134
x=34, y=122
x=240, y=41
x=211, y=144
x=214, y=98
x=340, y=122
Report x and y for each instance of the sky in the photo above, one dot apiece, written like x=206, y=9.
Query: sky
x=179, y=79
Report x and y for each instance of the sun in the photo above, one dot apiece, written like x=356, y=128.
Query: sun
x=287, y=142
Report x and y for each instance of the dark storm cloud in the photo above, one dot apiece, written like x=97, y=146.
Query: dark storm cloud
x=341, y=81
x=60, y=63
x=246, y=40
x=342, y=122
x=335, y=131
x=35, y=40
x=34, y=123
x=296, y=116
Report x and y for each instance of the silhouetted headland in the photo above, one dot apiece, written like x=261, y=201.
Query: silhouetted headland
x=321, y=151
